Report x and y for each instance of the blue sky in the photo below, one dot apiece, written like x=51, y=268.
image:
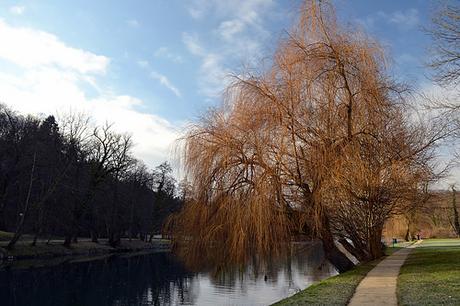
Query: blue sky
x=152, y=66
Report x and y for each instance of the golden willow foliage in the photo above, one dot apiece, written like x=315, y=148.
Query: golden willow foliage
x=318, y=140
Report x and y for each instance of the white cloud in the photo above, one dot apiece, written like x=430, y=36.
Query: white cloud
x=143, y=64
x=403, y=19
x=32, y=48
x=248, y=11
x=165, y=82
x=192, y=44
x=408, y=18
x=47, y=91
x=196, y=13
x=17, y=9
x=160, y=78
x=237, y=37
x=228, y=29
x=213, y=76
x=133, y=23
x=164, y=52
x=51, y=83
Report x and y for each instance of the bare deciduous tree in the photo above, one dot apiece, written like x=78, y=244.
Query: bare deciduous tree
x=445, y=32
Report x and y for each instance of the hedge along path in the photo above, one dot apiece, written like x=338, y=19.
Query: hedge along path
x=379, y=285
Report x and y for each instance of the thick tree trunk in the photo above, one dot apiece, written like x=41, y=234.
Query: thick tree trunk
x=94, y=236
x=358, y=253
x=15, y=239
x=375, y=242
x=114, y=240
x=34, y=242
x=22, y=217
x=340, y=261
x=2, y=218
x=67, y=240
x=3, y=202
x=407, y=236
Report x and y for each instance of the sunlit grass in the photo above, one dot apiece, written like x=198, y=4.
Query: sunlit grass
x=339, y=289
x=431, y=274
x=336, y=290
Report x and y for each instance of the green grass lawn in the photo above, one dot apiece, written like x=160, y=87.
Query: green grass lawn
x=431, y=274
x=336, y=290
x=6, y=236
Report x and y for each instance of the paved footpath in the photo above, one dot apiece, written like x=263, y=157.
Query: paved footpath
x=379, y=285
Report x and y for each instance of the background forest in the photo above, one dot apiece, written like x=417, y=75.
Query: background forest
x=68, y=178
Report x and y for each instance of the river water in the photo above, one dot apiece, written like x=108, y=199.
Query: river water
x=156, y=279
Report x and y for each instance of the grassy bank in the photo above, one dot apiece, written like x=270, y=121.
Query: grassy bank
x=24, y=250
x=336, y=290
x=431, y=274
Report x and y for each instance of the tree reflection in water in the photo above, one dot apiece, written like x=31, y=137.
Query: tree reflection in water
x=154, y=279
x=159, y=279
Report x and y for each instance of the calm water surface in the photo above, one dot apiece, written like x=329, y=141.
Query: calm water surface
x=157, y=279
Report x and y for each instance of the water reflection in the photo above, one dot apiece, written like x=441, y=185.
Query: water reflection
x=159, y=279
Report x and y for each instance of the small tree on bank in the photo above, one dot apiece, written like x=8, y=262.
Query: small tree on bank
x=455, y=221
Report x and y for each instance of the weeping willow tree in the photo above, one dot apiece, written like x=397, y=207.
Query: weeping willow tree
x=266, y=165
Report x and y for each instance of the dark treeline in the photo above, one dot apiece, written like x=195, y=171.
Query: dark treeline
x=68, y=178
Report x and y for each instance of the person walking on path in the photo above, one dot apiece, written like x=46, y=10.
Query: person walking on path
x=379, y=285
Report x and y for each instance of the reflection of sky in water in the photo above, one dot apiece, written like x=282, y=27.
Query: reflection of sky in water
x=159, y=279
x=284, y=281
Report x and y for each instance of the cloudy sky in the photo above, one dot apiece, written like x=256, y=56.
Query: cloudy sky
x=151, y=66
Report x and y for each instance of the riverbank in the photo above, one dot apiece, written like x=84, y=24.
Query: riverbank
x=55, y=248
x=431, y=274
x=336, y=290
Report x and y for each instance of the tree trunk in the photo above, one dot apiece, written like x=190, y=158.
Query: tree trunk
x=2, y=218
x=114, y=240
x=375, y=242
x=340, y=261
x=131, y=219
x=358, y=253
x=407, y=236
x=37, y=234
x=34, y=242
x=20, y=225
x=3, y=202
x=67, y=240
x=456, y=221
x=94, y=236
